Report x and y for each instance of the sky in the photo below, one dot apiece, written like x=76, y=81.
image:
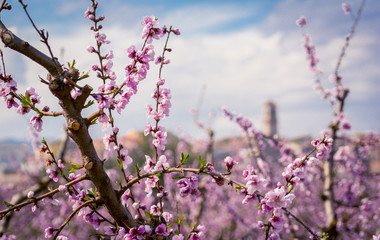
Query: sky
x=239, y=54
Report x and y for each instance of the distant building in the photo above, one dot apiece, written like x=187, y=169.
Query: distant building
x=269, y=118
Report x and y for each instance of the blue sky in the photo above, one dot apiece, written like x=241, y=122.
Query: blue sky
x=243, y=53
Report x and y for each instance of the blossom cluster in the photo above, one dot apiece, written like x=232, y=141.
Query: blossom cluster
x=161, y=95
x=189, y=187
x=230, y=162
x=8, y=91
x=138, y=67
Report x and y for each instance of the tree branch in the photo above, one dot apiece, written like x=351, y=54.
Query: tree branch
x=36, y=199
x=72, y=215
x=12, y=41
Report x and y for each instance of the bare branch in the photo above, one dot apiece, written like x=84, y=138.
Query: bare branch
x=36, y=199
x=72, y=215
x=12, y=41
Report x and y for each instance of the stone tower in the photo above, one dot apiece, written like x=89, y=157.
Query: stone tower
x=269, y=119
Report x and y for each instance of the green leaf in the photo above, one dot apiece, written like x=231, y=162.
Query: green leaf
x=194, y=225
x=75, y=167
x=72, y=64
x=91, y=192
x=44, y=141
x=89, y=103
x=183, y=159
x=119, y=183
x=93, y=121
x=86, y=197
x=119, y=163
x=25, y=100
x=84, y=75
x=324, y=235
x=137, y=168
x=148, y=214
x=202, y=161
x=158, y=174
x=180, y=221
x=177, y=177
x=7, y=204
x=238, y=188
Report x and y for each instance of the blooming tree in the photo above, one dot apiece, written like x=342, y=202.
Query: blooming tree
x=269, y=198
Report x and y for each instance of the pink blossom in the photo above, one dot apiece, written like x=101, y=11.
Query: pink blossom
x=160, y=140
x=125, y=197
x=30, y=194
x=274, y=236
x=34, y=98
x=301, y=21
x=62, y=188
x=36, y=123
x=255, y=184
x=188, y=186
x=197, y=233
x=155, y=210
x=52, y=174
x=346, y=8
x=49, y=232
x=158, y=60
x=248, y=198
x=277, y=221
x=150, y=183
x=101, y=38
x=90, y=49
x=89, y=14
x=162, y=163
x=278, y=198
x=149, y=21
x=176, y=31
x=194, y=194
x=167, y=216
x=161, y=230
x=160, y=81
x=75, y=93
x=180, y=237
x=104, y=120
x=11, y=103
x=136, y=205
x=230, y=163
x=127, y=160
x=322, y=146
x=60, y=164
x=148, y=164
x=23, y=109
x=110, y=230
x=210, y=167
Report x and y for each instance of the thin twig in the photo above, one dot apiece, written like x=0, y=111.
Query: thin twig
x=348, y=38
x=300, y=222
x=36, y=199
x=44, y=38
x=72, y=215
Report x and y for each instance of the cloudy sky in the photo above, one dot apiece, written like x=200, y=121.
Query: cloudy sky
x=238, y=54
